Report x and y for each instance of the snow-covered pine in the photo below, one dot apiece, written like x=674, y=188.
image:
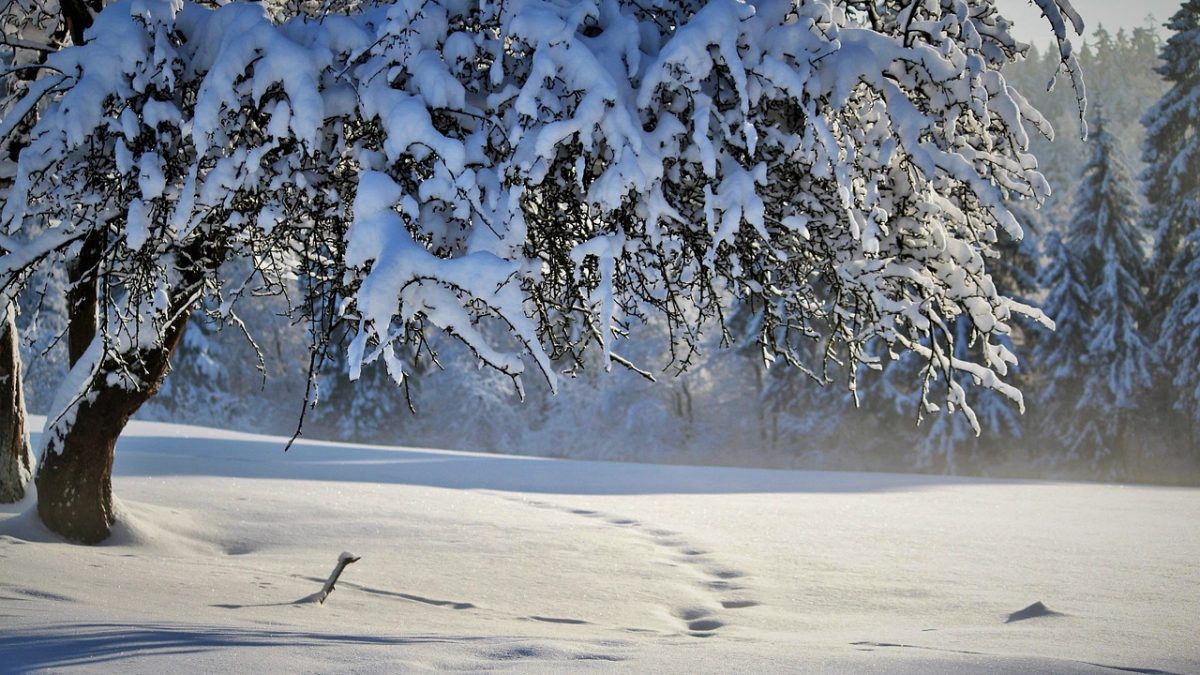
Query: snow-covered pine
x=1119, y=350
x=1172, y=148
x=559, y=170
x=1101, y=361
x=1061, y=355
x=1179, y=337
x=198, y=389
x=1172, y=189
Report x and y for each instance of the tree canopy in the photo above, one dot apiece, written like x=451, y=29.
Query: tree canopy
x=532, y=178
x=562, y=170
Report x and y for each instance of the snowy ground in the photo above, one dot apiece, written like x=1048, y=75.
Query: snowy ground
x=483, y=562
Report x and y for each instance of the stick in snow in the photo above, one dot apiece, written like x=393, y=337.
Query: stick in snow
x=344, y=559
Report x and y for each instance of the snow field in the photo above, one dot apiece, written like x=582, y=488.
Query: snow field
x=481, y=562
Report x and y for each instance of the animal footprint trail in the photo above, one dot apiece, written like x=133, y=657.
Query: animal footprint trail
x=723, y=583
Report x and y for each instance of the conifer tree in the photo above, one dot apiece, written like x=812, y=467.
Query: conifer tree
x=1100, y=358
x=1060, y=355
x=1171, y=186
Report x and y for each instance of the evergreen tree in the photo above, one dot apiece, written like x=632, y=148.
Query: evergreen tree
x=1121, y=78
x=1100, y=358
x=1171, y=186
x=1060, y=355
x=1179, y=339
x=1172, y=151
x=197, y=390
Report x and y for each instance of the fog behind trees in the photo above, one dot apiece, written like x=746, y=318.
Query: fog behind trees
x=728, y=407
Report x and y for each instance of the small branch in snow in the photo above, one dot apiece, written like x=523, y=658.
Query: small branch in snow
x=344, y=559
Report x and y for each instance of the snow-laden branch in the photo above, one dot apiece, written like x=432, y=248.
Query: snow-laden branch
x=530, y=177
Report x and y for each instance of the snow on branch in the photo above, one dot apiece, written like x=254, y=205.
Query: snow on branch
x=532, y=177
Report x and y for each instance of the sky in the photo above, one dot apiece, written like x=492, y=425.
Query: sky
x=1112, y=14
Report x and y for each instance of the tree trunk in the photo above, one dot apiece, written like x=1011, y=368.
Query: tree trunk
x=74, y=479
x=16, y=457
x=78, y=15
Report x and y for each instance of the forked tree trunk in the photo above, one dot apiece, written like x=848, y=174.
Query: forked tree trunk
x=74, y=479
x=16, y=457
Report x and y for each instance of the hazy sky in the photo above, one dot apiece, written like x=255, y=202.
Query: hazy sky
x=1113, y=14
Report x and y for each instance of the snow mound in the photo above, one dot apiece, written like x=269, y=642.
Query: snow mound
x=1037, y=609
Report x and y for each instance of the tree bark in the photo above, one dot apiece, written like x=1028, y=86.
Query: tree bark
x=77, y=14
x=16, y=457
x=74, y=479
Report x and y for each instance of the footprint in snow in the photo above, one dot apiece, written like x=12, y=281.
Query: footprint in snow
x=623, y=522
x=699, y=622
x=551, y=619
x=739, y=604
x=704, y=625
x=691, y=613
x=726, y=573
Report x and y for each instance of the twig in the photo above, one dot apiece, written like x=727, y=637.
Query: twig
x=344, y=559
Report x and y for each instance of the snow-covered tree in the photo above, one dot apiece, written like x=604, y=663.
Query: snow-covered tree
x=16, y=456
x=1172, y=188
x=560, y=170
x=942, y=440
x=1061, y=355
x=29, y=31
x=950, y=442
x=1119, y=350
x=1121, y=78
x=1100, y=359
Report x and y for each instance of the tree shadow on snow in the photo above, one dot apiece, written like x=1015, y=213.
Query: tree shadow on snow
x=92, y=644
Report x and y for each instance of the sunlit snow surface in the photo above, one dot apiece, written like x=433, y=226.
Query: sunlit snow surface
x=482, y=562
